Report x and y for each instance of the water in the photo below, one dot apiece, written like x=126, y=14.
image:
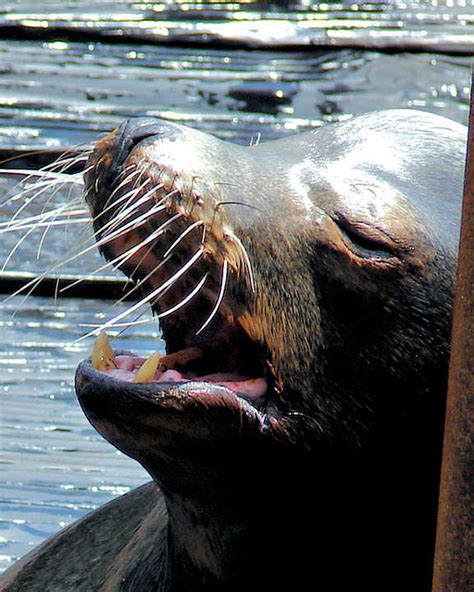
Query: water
x=54, y=466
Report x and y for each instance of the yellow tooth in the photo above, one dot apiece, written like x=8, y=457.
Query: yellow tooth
x=103, y=357
x=148, y=369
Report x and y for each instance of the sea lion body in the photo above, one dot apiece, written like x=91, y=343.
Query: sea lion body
x=328, y=262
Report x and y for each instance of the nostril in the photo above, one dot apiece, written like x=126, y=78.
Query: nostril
x=133, y=131
x=130, y=133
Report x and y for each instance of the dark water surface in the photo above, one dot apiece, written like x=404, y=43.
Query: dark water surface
x=64, y=90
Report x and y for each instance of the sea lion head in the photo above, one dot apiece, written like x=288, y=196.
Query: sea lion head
x=327, y=269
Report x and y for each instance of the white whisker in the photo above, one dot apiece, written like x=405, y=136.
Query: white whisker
x=66, y=162
x=247, y=262
x=143, y=280
x=167, y=312
x=123, y=257
x=56, y=185
x=127, y=209
x=125, y=182
x=164, y=260
x=119, y=325
x=75, y=178
x=185, y=300
x=45, y=215
x=172, y=280
x=219, y=297
x=135, y=223
x=182, y=235
x=65, y=221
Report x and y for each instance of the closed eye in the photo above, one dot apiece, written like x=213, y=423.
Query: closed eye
x=365, y=239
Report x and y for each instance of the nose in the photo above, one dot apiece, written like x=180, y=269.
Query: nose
x=106, y=162
x=130, y=133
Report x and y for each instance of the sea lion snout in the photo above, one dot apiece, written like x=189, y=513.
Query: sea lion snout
x=133, y=131
x=106, y=163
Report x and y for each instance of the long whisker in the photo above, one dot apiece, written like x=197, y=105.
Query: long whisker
x=163, y=314
x=127, y=179
x=25, y=222
x=135, y=223
x=156, y=233
x=68, y=158
x=127, y=209
x=163, y=262
x=185, y=300
x=24, y=237
x=238, y=203
x=33, y=187
x=75, y=178
x=104, y=227
x=172, y=280
x=143, y=280
x=124, y=213
x=182, y=235
x=119, y=325
x=247, y=261
x=219, y=297
x=46, y=230
x=33, y=283
x=44, y=151
x=109, y=237
x=55, y=184
x=120, y=214
x=127, y=254
x=29, y=231
x=63, y=222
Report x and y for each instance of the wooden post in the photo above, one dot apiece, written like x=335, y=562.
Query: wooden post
x=454, y=556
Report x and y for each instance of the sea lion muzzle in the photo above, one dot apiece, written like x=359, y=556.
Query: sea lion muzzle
x=208, y=348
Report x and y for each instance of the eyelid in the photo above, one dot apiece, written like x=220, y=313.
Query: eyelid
x=368, y=239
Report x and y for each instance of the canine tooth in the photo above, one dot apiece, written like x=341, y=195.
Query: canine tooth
x=148, y=368
x=103, y=357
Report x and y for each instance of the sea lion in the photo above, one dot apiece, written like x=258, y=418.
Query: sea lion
x=293, y=431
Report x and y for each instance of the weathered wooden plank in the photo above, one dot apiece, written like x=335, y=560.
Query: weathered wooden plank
x=434, y=25
x=54, y=95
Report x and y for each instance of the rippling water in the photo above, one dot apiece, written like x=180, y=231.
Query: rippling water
x=54, y=466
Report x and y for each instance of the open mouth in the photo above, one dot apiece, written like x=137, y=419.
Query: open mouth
x=179, y=368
